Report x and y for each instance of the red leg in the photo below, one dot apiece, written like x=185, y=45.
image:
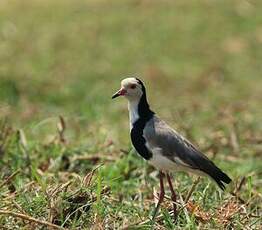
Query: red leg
x=173, y=195
x=161, y=194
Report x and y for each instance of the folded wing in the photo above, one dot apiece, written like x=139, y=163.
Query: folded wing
x=175, y=147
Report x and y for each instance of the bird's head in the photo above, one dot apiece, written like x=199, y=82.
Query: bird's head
x=131, y=88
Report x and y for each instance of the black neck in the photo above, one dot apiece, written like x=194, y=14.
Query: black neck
x=144, y=111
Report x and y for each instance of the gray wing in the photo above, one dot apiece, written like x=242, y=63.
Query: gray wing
x=175, y=147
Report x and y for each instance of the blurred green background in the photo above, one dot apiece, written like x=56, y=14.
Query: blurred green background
x=200, y=61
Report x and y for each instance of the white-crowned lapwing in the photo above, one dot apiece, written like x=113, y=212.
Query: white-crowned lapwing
x=161, y=145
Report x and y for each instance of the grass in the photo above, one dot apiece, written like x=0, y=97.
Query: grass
x=65, y=152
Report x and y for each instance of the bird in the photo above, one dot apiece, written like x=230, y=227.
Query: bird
x=162, y=146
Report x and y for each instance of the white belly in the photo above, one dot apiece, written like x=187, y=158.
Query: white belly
x=162, y=163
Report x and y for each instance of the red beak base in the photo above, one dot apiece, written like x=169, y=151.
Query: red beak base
x=120, y=92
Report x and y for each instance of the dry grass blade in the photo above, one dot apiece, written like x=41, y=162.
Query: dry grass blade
x=235, y=193
x=60, y=188
x=5, y=132
x=234, y=139
x=94, y=158
x=18, y=206
x=31, y=219
x=22, y=138
x=8, y=179
x=124, y=151
x=87, y=179
x=192, y=189
x=23, y=147
x=242, y=182
x=61, y=127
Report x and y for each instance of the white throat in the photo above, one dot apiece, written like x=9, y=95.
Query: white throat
x=133, y=112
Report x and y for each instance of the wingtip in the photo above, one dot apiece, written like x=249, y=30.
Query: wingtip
x=225, y=179
x=221, y=185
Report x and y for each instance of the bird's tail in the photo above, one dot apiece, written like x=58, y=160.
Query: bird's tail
x=220, y=177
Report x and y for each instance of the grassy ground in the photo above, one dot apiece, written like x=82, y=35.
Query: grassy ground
x=201, y=61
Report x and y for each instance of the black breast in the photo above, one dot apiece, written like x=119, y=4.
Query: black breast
x=138, y=140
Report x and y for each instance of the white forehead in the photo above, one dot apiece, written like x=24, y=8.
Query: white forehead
x=128, y=81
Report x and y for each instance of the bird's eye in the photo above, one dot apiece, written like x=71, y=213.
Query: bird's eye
x=133, y=86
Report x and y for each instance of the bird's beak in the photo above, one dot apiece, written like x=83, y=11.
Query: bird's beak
x=120, y=92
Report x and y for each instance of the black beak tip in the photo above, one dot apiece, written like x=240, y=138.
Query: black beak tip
x=115, y=95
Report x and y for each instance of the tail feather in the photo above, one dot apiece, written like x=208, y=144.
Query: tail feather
x=215, y=173
x=220, y=177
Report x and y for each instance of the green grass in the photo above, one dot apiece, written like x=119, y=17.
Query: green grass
x=201, y=62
